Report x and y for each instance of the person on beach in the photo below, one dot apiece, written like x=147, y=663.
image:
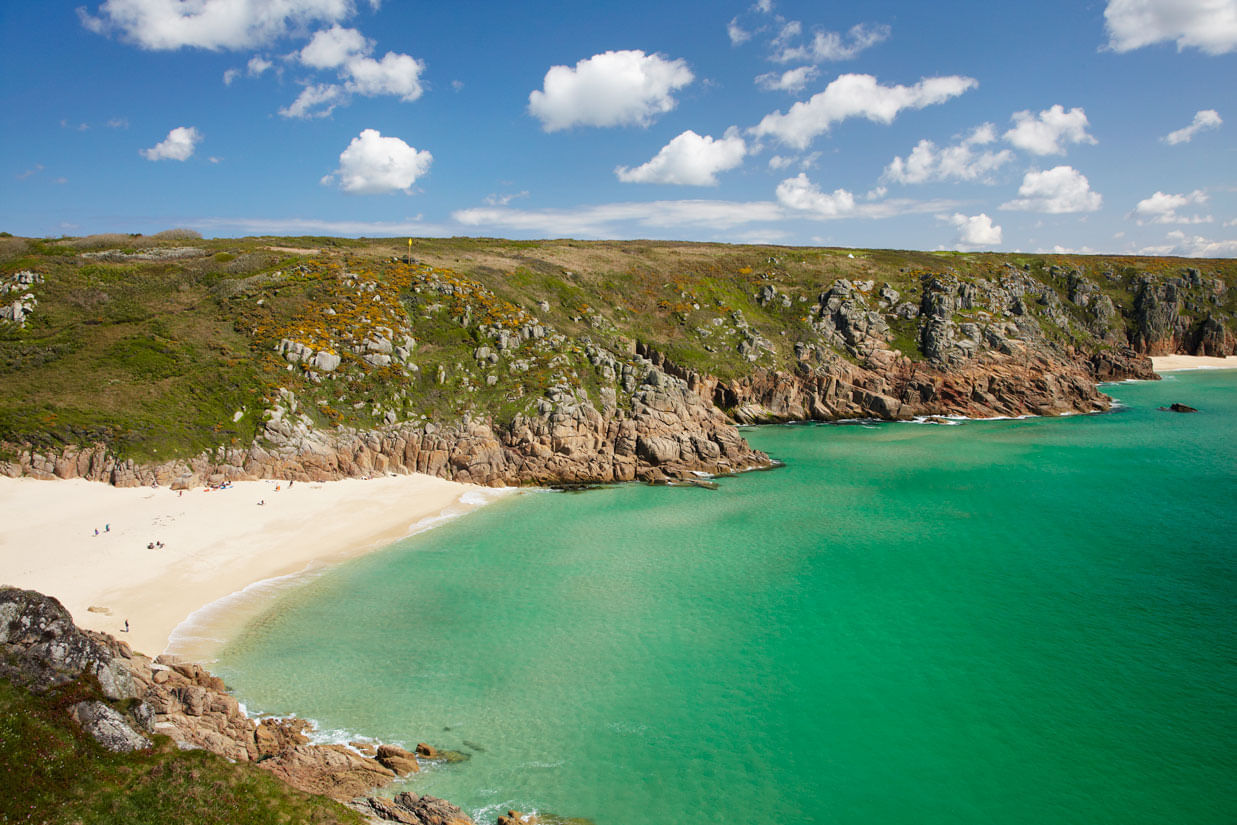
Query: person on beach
x=126, y=625
x=107, y=528
x=96, y=531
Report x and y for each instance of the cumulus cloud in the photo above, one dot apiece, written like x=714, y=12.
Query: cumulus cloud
x=178, y=145
x=689, y=159
x=375, y=165
x=318, y=100
x=789, y=81
x=163, y=25
x=1059, y=190
x=960, y=162
x=615, y=88
x=857, y=95
x=1049, y=131
x=802, y=195
x=1162, y=208
x=1203, y=119
x=975, y=231
x=395, y=74
x=830, y=46
x=333, y=47
x=1207, y=25
x=347, y=51
x=802, y=198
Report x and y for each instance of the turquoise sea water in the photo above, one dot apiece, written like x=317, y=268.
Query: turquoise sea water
x=1025, y=621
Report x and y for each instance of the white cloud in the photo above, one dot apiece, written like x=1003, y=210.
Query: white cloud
x=333, y=47
x=1207, y=25
x=975, y=231
x=802, y=198
x=778, y=162
x=690, y=160
x=495, y=199
x=210, y=24
x=178, y=145
x=1047, y=133
x=1162, y=208
x=254, y=68
x=623, y=88
x=789, y=81
x=309, y=226
x=830, y=46
x=347, y=50
x=738, y=34
x=307, y=103
x=34, y=170
x=373, y=165
x=958, y=162
x=606, y=220
x=395, y=74
x=1197, y=246
x=1203, y=119
x=1059, y=190
x=857, y=95
x=800, y=194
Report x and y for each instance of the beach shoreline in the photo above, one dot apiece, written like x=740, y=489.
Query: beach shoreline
x=1177, y=363
x=161, y=557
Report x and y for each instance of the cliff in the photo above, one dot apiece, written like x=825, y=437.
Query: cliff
x=126, y=702
x=500, y=363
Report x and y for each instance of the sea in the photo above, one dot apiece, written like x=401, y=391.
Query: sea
x=1010, y=621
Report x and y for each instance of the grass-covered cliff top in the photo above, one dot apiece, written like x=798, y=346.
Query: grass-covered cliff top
x=168, y=345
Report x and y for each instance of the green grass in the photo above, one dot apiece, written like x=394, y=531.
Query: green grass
x=54, y=773
x=157, y=357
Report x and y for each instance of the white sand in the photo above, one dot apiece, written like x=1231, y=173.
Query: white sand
x=1171, y=363
x=215, y=542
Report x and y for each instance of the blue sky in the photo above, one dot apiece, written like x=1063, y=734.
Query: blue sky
x=1081, y=126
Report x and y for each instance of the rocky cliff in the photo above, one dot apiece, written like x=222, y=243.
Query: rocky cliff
x=126, y=699
x=527, y=372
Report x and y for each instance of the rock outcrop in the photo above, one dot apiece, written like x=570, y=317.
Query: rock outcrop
x=41, y=649
x=410, y=809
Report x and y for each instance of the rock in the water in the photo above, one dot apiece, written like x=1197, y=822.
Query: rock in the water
x=108, y=727
x=1182, y=408
x=397, y=759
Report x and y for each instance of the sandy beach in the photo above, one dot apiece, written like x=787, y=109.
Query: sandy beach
x=214, y=543
x=1172, y=363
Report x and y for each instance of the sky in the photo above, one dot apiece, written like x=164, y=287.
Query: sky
x=1101, y=126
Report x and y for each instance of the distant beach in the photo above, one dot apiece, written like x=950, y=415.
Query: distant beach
x=160, y=554
x=1173, y=363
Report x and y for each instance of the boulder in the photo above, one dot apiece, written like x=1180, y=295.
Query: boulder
x=397, y=759
x=43, y=649
x=108, y=727
x=411, y=809
x=329, y=770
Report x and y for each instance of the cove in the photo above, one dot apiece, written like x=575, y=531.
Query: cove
x=1006, y=621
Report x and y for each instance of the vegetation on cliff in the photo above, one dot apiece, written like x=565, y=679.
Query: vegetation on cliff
x=171, y=347
x=56, y=773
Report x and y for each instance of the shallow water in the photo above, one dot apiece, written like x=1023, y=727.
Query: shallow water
x=1012, y=621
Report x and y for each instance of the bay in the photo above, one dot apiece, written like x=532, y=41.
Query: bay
x=1006, y=621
